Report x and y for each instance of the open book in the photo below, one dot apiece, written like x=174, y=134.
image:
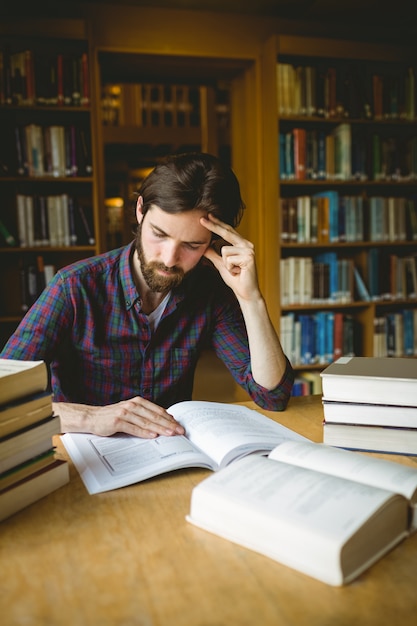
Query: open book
x=216, y=434
x=326, y=512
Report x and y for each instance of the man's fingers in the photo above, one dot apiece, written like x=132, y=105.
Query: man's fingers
x=224, y=231
x=142, y=418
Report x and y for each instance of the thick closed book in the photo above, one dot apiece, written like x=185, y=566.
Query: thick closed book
x=388, y=439
x=33, y=488
x=377, y=380
x=28, y=443
x=21, y=378
x=26, y=469
x=24, y=412
x=368, y=414
x=328, y=513
x=216, y=434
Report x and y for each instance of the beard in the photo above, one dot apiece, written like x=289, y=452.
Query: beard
x=155, y=281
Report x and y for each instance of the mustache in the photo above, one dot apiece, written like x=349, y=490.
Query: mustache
x=175, y=271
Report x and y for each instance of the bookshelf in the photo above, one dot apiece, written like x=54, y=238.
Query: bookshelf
x=151, y=106
x=340, y=137
x=48, y=212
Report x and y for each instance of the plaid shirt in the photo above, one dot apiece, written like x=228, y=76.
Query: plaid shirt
x=87, y=325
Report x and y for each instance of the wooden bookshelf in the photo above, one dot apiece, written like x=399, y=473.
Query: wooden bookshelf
x=340, y=137
x=243, y=60
x=49, y=201
x=152, y=106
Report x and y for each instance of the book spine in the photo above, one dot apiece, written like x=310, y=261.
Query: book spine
x=76, y=82
x=60, y=79
x=85, y=225
x=85, y=80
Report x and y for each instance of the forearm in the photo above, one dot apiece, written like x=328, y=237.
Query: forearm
x=74, y=417
x=268, y=361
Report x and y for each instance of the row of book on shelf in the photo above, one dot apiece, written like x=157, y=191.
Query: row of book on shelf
x=395, y=334
x=53, y=220
x=321, y=337
x=329, y=278
x=150, y=104
x=29, y=466
x=40, y=77
x=318, y=338
x=345, y=154
x=56, y=151
x=349, y=89
x=370, y=404
x=331, y=217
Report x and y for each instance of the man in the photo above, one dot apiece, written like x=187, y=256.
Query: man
x=122, y=332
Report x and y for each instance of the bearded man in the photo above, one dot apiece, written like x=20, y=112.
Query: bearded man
x=122, y=332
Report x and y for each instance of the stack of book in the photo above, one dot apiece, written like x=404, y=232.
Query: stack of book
x=29, y=469
x=370, y=403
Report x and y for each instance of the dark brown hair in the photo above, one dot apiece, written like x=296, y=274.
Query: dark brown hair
x=194, y=180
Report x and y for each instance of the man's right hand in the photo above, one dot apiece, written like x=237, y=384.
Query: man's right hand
x=136, y=416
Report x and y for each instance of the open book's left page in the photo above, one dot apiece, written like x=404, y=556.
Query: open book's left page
x=106, y=463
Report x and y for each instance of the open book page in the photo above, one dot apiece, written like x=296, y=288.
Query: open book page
x=106, y=463
x=354, y=466
x=216, y=433
x=227, y=431
x=327, y=527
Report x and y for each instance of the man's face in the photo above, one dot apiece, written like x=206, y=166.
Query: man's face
x=169, y=246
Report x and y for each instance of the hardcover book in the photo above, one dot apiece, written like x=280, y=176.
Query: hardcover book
x=21, y=378
x=377, y=380
x=371, y=438
x=369, y=414
x=328, y=513
x=33, y=487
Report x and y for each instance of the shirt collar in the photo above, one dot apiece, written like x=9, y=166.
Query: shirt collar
x=130, y=293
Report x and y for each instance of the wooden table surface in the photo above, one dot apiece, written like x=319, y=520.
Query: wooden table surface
x=128, y=557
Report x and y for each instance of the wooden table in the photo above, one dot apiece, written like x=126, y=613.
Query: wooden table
x=128, y=557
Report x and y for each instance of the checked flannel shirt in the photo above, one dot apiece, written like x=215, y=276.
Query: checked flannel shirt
x=87, y=325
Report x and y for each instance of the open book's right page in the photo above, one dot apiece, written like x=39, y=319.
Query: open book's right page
x=226, y=432
x=354, y=466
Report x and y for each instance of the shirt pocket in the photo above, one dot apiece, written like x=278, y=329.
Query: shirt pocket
x=116, y=372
